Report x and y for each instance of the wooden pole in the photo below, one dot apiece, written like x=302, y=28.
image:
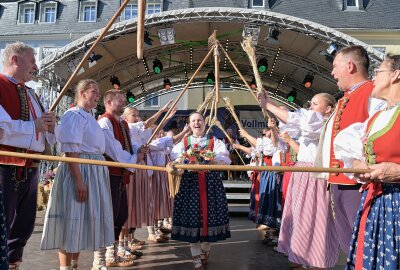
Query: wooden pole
x=195, y=167
x=231, y=109
x=86, y=56
x=82, y=161
x=218, y=124
x=179, y=97
x=238, y=72
x=198, y=167
x=248, y=47
x=205, y=102
x=140, y=28
x=206, y=108
x=216, y=72
x=265, y=113
x=210, y=116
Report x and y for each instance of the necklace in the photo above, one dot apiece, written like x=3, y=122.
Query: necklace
x=391, y=107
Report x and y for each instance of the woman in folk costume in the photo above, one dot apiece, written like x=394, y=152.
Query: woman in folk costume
x=374, y=144
x=255, y=180
x=267, y=211
x=138, y=189
x=200, y=207
x=161, y=201
x=305, y=236
x=79, y=215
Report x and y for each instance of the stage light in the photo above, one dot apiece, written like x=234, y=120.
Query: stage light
x=273, y=35
x=94, y=57
x=330, y=52
x=115, y=82
x=147, y=38
x=291, y=97
x=262, y=65
x=167, y=84
x=157, y=66
x=210, y=77
x=130, y=97
x=251, y=31
x=332, y=49
x=308, y=80
x=253, y=83
x=166, y=36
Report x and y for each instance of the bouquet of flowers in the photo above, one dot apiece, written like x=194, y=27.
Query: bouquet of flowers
x=44, y=189
x=194, y=155
x=197, y=155
x=48, y=177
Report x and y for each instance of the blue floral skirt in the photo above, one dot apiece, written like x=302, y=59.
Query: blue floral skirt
x=187, y=221
x=382, y=232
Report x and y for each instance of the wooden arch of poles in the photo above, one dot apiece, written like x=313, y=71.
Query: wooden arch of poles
x=211, y=103
x=173, y=169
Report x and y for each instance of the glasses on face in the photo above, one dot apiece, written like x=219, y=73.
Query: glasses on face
x=376, y=71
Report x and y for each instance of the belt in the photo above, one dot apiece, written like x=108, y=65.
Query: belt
x=32, y=164
x=349, y=187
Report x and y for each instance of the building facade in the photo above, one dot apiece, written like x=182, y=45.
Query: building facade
x=48, y=25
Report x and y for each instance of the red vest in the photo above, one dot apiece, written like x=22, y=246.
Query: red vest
x=384, y=146
x=11, y=102
x=352, y=108
x=121, y=134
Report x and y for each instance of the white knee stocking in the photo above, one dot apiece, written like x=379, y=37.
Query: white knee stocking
x=195, y=249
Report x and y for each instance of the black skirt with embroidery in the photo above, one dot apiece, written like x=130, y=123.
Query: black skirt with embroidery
x=187, y=219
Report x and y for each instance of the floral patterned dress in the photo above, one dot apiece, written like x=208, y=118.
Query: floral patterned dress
x=200, y=207
x=375, y=240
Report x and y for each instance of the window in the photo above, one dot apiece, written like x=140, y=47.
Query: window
x=27, y=13
x=351, y=3
x=88, y=11
x=153, y=7
x=154, y=102
x=131, y=11
x=48, y=12
x=258, y=3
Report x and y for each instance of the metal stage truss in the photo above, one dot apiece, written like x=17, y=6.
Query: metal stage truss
x=257, y=18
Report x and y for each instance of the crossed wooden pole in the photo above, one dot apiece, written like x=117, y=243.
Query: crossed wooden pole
x=140, y=40
x=195, y=167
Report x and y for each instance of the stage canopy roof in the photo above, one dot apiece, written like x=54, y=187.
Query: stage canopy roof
x=297, y=52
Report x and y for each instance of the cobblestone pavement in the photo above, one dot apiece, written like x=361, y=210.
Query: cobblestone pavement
x=244, y=251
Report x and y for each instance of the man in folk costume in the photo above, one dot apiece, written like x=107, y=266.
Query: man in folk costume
x=118, y=131
x=31, y=127
x=350, y=69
